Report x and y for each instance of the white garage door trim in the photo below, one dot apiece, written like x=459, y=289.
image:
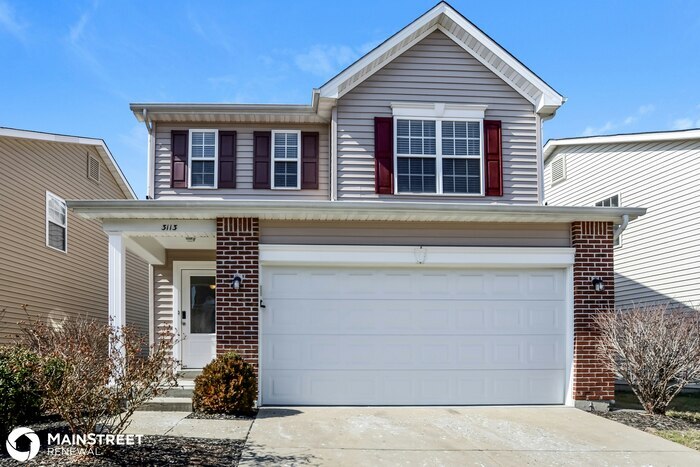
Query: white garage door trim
x=446, y=257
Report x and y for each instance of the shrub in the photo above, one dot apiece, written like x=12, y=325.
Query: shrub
x=20, y=398
x=94, y=375
x=655, y=349
x=227, y=385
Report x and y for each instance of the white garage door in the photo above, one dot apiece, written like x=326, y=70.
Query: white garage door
x=412, y=336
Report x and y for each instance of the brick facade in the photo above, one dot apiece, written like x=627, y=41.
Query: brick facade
x=593, y=242
x=237, y=310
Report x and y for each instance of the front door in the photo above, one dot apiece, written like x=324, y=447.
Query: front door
x=198, y=314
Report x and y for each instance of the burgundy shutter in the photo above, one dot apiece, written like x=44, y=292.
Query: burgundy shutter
x=227, y=159
x=309, y=161
x=261, y=159
x=493, y=158
x=178, y=159
x=384, y=155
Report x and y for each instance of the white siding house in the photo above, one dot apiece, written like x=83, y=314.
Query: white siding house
x=657, y=257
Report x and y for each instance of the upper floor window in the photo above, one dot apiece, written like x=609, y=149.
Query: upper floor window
x=203, y=151
x=286, y=163
x=442, y=156
x=56, y=222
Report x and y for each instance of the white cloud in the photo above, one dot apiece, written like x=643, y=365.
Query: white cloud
x=325, y=60
x=136, y=139
x=76, y=31
x=10, y=23
x=611, y=125
x=685, y=123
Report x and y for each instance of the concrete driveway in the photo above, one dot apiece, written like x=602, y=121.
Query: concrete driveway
x=452, y=436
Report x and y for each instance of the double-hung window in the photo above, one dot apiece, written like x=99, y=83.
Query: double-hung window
x=441, y=156
x=56, y=222
x=203, y=151
x=286, y=159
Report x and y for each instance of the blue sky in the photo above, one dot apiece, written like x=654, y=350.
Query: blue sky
x=73, y=66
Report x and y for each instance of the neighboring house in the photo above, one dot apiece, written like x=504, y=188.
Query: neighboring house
x=656, y=258
x=52, y=260
x=386, y=244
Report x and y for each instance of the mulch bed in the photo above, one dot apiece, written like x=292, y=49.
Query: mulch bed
x=154, y=451
x=643, y=421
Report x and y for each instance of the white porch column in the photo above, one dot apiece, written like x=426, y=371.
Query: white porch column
x=117, y=280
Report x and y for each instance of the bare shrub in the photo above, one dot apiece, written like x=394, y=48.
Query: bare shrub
x=95, y=375
x=655, y=349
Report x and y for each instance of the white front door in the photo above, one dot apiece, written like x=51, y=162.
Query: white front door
x=413, y=336
x=198, y=315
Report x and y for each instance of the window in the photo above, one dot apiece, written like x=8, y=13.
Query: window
x=558, y=168
x=448, y=164
x=612, y=202
x=203, y=151
x=56, y=222
x=286, y=154
x=93, y=168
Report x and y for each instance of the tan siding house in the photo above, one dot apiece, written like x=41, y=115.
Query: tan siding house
x=53, y=283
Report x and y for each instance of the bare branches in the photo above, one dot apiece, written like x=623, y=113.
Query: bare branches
x=655, y=349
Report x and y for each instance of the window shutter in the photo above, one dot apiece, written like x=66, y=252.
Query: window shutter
x=178, y=161
x=493, y=158
x=261, y=159
x=309, y=161
x=384, y=155
x=227, y=159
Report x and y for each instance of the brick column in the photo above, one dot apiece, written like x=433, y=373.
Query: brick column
x=237, y=310
x=593, y=242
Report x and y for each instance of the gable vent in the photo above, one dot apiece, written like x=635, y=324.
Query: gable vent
x=558, y=170
x=93, y=168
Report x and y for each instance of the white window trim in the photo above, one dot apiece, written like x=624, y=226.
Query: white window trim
x=273, y=160
x=551, y=171
x=438, y=154
x=49, y=197
x=215, y=159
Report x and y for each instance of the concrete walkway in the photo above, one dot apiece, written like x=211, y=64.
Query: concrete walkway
x=452, y=436
x=175, y=424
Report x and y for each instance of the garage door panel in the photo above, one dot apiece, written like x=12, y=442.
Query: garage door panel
x=406, y=387
x=387, y=352
x=289, y=316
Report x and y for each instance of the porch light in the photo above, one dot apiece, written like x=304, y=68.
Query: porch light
x=598, y=284
x=236, y=282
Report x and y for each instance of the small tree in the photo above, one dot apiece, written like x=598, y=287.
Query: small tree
x=95, y=375
x=655, y=349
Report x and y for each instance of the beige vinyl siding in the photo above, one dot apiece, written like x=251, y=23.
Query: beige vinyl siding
x=658, y=258
x=436, y=70
x=163, y=283
x=54, y=284
x=244, y=163
x=426, y=234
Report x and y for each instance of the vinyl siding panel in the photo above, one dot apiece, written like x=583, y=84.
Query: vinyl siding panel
x=55, y=284
x=427, y=234
x=658, y=259
x=244, y=164
x=436, y=70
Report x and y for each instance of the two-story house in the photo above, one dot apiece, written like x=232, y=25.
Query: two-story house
x=386, y=244
x=52, y=260
x=656, y=259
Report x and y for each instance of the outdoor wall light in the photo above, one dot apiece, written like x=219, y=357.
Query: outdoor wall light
x=598, y=284
x=236, y=282
x=190, y=239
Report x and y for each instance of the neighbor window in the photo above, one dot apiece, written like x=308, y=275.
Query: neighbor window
x=612, y=202
x=438, y=156
x=203, y=152
x=56, y=222
x=286, y=154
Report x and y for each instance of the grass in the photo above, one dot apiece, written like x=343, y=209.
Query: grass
x=684, y=406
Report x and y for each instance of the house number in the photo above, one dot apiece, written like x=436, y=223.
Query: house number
x=169, y=227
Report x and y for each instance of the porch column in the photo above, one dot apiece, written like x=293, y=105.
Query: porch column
x=116, y=296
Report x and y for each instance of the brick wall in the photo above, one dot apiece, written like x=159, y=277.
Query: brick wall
x=593, y=242
x=237, y=310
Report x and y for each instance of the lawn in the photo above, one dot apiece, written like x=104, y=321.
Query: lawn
x=681, y=423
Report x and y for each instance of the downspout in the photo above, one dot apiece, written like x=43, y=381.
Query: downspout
x=540, y=159
x=334, y=154
x=621, y=228
x=150, y=155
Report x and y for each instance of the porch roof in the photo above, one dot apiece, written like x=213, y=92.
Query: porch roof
x=346, y=210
